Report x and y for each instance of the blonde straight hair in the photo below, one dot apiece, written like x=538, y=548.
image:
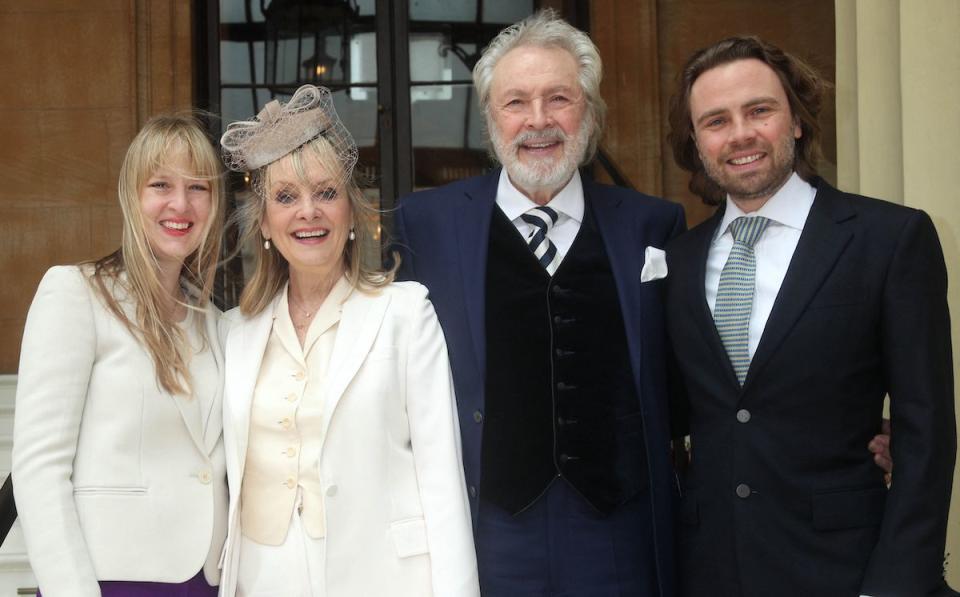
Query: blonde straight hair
x=155, y=147
x=270, y=270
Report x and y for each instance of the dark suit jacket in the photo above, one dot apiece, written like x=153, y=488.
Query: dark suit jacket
x=442, y=235
x=861, y=313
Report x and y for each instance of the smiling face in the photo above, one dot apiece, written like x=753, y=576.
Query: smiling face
x=744, y=130
x=175, y=209
x=536, y=117
x=307, y=215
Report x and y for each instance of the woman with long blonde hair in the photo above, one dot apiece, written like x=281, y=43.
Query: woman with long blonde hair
x=118, y=462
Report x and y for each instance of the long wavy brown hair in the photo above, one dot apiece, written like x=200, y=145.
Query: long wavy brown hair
x=804, y=87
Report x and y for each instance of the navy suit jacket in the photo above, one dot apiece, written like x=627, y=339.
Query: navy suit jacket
x=442, y=236
x=782, y=496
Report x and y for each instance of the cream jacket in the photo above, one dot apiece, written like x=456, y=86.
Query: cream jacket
x=397, y=514
x=114, y=478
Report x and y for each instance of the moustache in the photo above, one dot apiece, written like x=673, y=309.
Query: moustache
x=544, y=136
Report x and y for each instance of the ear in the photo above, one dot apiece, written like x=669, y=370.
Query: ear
x=797, y=129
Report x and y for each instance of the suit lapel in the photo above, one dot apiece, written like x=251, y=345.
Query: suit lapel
x=822, y=241
x=472, y=224
x=243, y=354
x=359, y=324
x=212, y=426
x=194, y=409
x=625, y=253
x=703, y=319
x=190, y=412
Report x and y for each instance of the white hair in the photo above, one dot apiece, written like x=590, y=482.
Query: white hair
x=545, y=29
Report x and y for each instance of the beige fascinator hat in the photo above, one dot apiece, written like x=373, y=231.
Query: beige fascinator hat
x=281, y=128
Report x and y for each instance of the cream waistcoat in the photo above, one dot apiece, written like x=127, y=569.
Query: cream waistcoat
x=286, y=423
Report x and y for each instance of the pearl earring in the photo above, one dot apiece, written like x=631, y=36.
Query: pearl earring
x=266, y=244
x=353, y=235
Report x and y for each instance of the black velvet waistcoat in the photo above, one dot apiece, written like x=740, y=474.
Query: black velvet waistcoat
x=560, y=399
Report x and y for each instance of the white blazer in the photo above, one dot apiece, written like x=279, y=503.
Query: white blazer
x=397, y=513
x=114, y=478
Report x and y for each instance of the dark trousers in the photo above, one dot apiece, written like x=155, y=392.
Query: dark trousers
x=561, y=547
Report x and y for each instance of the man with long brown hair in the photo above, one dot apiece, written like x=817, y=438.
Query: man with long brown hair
x=792, y=312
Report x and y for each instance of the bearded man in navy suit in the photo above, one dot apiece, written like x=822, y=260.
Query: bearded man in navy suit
x=548, y=287
x=792, y=312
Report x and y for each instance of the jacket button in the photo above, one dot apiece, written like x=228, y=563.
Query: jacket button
x=290, y=452
x=299, y=375
x=743, y=491
x=743, y=415
x=290, y=482
x=478, y=416
x=473, y=491
x=564, y=458
x=332, y=491
x=204, y=477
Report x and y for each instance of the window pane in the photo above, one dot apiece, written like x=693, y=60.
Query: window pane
x=494, y=11
x=235, y=64
x=241, y=104
x=443, y=10
x=239, y=11
x=433, y=58
x=363, y=58
x=448, y=141
x=366, y=7
x=296, y=42
x=506, y=11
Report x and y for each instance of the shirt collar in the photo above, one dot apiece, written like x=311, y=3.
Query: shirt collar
x=788, y=207
x=513, y=203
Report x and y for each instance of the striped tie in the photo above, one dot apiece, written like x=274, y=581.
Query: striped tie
x=731, y=314
x=542, y=220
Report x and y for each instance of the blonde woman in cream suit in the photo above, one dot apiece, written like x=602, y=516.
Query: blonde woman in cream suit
x=118, y=463
x=340, y=424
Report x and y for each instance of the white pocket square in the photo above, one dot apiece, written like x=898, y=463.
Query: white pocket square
x=654, y=264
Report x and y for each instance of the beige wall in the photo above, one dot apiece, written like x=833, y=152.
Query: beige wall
x=898, y=80
x=76, y=79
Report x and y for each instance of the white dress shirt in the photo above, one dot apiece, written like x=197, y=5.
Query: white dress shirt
x=568, y=204
x=787, y=211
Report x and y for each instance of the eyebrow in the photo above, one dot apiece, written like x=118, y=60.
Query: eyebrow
x=297, y=181
x=514, y=92
x=748, y=104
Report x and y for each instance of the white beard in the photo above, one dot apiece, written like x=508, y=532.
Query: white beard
x=543, y=174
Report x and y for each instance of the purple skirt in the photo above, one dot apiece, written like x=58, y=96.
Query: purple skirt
x=195, y=587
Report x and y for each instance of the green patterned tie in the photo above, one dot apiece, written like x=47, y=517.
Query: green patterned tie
x=731, y=314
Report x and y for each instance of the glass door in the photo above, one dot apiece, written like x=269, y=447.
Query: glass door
x=399, y=70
